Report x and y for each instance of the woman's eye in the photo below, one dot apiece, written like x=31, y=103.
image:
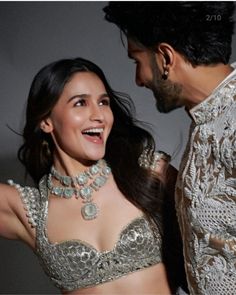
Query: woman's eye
x=80, y=103
x=105, y=102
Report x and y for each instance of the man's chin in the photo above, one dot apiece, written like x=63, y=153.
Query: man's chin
x=166, y=109
x=161, y=108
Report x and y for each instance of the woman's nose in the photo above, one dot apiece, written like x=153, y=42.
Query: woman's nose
x=96, y=114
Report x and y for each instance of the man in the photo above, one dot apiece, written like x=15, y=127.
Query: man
x=182, y=50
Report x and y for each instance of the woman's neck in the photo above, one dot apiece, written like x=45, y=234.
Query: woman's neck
x=67, y=165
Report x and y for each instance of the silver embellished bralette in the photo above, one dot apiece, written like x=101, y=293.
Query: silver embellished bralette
x=75, y=264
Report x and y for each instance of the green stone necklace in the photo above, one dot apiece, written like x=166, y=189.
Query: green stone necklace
x=88, y=181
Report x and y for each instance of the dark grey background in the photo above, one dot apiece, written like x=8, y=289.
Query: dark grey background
x=32, y=35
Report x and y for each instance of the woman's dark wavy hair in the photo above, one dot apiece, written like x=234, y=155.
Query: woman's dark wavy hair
x=200, y=31
x=126, y=141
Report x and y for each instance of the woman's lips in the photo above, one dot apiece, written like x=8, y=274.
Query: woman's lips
x=94, y=135
x=93, y=138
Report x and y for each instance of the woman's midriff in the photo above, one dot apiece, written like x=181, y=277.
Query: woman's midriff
x=149, y=281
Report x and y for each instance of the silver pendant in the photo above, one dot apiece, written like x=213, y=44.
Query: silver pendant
x=89, y=211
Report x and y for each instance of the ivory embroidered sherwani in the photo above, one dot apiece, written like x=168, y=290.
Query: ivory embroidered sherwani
x=206, y=194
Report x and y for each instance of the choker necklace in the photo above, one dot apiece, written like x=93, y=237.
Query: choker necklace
x=88, y=181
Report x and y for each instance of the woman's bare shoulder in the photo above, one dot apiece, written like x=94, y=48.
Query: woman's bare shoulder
x=8, y=195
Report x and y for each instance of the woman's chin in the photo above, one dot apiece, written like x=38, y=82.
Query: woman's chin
x=95, y=156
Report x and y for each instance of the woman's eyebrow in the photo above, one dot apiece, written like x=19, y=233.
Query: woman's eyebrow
x=82, y=95
x=104, y=95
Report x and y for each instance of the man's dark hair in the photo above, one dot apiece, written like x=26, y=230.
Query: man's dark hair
x=199, y=31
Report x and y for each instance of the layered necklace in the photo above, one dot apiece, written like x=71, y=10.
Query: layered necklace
x=81, y=186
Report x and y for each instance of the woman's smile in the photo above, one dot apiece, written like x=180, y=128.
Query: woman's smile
x=81, y=121
x=94, y=135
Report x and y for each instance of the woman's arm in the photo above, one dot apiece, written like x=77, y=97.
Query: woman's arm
x=12, y=214
x=172, y=241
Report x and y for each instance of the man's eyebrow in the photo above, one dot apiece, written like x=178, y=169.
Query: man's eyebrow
x=130, y=55
x=132, y=52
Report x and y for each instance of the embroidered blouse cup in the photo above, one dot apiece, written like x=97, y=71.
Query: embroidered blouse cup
x=75, y=264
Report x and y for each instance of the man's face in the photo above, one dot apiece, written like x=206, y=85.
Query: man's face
x=148, y=74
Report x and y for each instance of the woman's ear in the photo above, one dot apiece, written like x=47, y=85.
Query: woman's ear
x=46, y=125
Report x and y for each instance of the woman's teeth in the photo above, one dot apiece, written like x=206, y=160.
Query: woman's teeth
x=94, y=130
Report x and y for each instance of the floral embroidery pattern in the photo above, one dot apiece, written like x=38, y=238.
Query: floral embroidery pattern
x=206, y=194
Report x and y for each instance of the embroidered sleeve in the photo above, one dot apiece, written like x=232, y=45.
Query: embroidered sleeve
x=225, y=245
x=149, y=159
x=30, y=198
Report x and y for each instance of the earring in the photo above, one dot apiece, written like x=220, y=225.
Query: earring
x=165, y=74
x=45, y=148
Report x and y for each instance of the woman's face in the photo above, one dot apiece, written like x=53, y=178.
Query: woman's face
x=81, y=120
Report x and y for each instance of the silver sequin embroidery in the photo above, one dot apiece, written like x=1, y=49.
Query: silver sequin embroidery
x=75, y=264
x=206, y=194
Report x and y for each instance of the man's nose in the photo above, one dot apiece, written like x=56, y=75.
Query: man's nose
x=138, y=80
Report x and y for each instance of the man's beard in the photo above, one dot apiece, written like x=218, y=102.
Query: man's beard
x=166, y=93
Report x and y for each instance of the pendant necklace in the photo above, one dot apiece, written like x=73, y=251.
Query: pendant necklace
x=82, y=185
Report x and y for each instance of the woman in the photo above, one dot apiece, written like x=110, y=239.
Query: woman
x=94, y=217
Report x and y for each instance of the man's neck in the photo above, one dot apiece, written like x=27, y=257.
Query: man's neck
x=201, y=81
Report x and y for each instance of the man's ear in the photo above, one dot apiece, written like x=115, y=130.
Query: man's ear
x=167, y=54
x=46, y=125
